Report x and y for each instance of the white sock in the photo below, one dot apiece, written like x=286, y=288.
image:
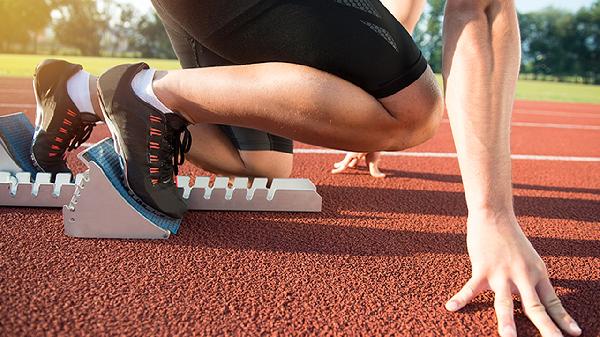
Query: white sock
x=142, y=87
x=78, y=88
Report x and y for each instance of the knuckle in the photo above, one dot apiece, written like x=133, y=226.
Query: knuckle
x=554, y=303
x=535, y=308
x=504, y=303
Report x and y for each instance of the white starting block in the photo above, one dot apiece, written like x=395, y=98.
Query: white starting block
x=98, y=204
x=102, y=207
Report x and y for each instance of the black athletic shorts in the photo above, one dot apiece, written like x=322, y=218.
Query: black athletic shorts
x=357, y=40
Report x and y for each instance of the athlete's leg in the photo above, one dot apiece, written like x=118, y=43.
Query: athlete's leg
x=407, y=12
x=214, y=149
x=322, y=109
x=300, y=102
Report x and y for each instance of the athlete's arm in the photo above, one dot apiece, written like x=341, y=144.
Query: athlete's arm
x=481, y=63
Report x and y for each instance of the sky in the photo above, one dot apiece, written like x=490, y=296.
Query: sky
x=523, y=6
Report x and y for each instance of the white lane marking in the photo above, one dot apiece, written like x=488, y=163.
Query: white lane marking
x=16, y=91
x=17, y=106
x=454, y=155
x=441, y=155
x=556, y=113
x=550, y=125
x=557, y=126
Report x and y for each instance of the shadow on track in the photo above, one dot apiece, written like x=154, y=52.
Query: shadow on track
x=247, y=231
x=449, y=203
x=453, y=178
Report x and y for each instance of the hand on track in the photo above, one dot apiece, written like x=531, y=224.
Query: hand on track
x=504, y=261
x=352, y=160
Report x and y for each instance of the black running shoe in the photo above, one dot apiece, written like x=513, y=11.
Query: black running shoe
x=59, y=126
x=148, y=142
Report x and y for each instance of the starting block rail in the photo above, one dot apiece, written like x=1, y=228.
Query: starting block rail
x=98, y=205
x=284, y=195
x=86, y=215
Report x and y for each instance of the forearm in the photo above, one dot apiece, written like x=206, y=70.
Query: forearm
x=407, y=12
x=480, y=67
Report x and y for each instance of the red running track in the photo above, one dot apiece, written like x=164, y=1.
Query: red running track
x=381, y=258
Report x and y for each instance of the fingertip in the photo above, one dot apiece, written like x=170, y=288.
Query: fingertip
x=575, y=329
x=452, y=305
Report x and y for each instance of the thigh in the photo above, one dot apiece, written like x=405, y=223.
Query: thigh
x=357, y=40
x=192, y=54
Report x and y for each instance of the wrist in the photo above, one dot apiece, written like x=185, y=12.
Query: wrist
x=498, y=215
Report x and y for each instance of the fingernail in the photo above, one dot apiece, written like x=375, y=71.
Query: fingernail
x=575, y=328
x=452, y=306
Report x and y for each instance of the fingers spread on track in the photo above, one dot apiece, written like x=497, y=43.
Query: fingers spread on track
x=535, y=310
x=555, y=308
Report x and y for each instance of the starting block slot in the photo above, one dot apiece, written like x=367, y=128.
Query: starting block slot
x=18, y=190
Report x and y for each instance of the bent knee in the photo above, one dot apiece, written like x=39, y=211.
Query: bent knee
x=418, y=120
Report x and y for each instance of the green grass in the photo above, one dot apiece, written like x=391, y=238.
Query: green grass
x=559, y=92
x=14, y=65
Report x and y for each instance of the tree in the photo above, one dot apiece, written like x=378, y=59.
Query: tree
x=586, y=46
x=81, y=25
x=428, y=34
x=22, y=21
x=562, y=44
x=152, y=39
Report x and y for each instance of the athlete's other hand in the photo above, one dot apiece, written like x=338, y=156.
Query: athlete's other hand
x=504, y=261
x=352, y=160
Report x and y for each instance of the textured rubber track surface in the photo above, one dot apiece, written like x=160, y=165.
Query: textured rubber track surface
x=382, y=257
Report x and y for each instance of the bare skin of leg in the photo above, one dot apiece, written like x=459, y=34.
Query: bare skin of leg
x=407, y=12
x=214, y=152
x=322, y=109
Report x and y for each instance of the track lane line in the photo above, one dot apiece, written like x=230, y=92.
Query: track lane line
x=440, y=155
x=549, y=125
x=557, y=114
x=17, y=106
x=454, y=155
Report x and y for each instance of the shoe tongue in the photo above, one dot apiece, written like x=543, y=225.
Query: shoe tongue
x=175, y=122
x=89, y=117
